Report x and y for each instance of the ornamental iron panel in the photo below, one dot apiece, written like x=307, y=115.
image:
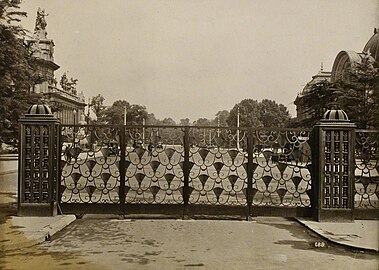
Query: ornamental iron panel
x=36, y=181
x=206, y=167
x=90, y=164
x=366, y=169
x=218, y=166
x=282, y=163
x=154, y=165
x=336, y=187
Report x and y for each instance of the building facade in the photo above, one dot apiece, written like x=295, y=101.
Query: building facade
x=69, y=105
x=344, y=61
x=301, y=110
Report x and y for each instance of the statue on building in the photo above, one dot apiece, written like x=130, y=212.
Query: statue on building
x=68, y=85
x=40, y=21
x=64, y=82
x=54, y=81
x=40, y=27
x=72, y=84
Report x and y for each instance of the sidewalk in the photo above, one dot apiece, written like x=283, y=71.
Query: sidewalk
x=28, y=231
x=8, y=164
x=360, y=234
x=22, y=232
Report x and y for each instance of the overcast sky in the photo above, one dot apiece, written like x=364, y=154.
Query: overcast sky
x=193, y=58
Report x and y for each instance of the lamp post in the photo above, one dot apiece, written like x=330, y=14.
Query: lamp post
x=125, y=115
x=218, y=126
x=238, y=128
x=74, y=112
x=143, y=131
x=89, y=106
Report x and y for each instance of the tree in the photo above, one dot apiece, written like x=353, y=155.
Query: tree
x=356, y=93
x=18, y=73
x=202, y=122
x=273, y=114
x=221, y=118
x=167, y=122
x=252, y=113
x=114, y=115
x=151, y=119
x=249, y=114
x=185, y=122
x=97, y=105
x=136, y=114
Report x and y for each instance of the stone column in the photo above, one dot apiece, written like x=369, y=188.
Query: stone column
x=38, y=155
x=333, y=157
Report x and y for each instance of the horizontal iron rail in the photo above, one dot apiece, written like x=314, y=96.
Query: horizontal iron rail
x=191, y=127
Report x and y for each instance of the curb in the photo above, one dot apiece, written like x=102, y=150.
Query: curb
x=37, y=234
x=353, y=247
x=6, y=157
x=8, y=172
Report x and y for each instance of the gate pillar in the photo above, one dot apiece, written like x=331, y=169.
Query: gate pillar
x=333, y=156
x=37, y=170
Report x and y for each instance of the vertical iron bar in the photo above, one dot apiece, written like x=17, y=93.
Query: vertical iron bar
x=186, y=171
x=21, y=165
x=59, y=158
x=40, y=170
x=351, y=169
x=122, y=169
x=332, y=169
x=340, y=168
x=32, y=172
x=250, y=172
x=50, y=181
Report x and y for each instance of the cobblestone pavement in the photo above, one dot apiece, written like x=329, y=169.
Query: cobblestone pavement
x=104, y=242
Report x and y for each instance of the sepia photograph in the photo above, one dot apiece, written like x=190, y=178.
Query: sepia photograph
x=189, y=134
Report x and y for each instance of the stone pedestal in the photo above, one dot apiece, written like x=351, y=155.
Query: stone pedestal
x=334, y=170
x=37, y=177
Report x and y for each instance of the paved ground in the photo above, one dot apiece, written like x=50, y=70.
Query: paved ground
x=8, y=164
x=106, y=242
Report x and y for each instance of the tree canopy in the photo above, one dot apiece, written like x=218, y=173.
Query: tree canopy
x=356, y=93
x=17, y=72
x=97, y=105
x=252, y=113
x=114, y=115
x=221, y=118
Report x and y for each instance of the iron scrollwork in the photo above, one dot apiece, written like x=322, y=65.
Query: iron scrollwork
x=366, y=169
x=154, y=165
x=90, y=164
x=282, y=160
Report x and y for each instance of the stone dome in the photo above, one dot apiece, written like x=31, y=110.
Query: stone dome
x=39, y=110
x=335, y=115
x=372, y=45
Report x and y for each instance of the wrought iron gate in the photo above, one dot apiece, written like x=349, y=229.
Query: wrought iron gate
x=188, y=171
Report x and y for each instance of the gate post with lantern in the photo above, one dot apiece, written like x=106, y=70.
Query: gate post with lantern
x=38, y=153
x=333, y=156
